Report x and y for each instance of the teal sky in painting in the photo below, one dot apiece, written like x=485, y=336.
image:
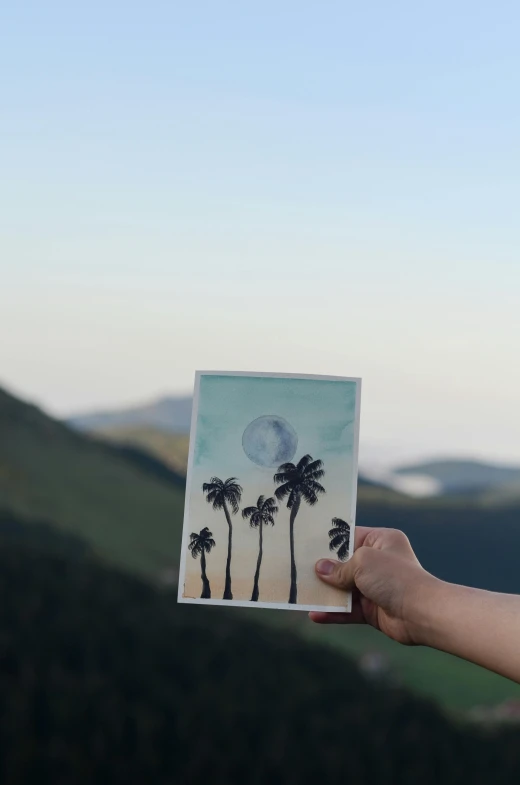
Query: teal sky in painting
x=321, y=411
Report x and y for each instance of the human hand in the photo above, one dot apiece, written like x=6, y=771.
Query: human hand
x=389, y=585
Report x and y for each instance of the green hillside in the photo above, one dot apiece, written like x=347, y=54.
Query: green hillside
x=128, y=508
x=172, y=448
x=124, y=505
x=105, y=680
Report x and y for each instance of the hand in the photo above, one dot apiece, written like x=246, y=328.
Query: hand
x=388, y=585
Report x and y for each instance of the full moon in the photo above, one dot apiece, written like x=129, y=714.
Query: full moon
x=269, y=441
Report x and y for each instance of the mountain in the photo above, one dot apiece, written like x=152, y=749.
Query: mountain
x=172, y=450
x=463, y=476
x=170, y=414
x=161, y=427
x=106, y=680
x=126, y=506
x=126, y=503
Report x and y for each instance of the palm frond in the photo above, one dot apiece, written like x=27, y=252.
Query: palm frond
x=215, y=483
x=343, y=551
x=214, y=497
x=283, y=490
x=309, y=495
x=286, y=467
x=304, y=462
x=195, y=547
x=335, y=540
x=280, y=477
x=315, y=487
x=209, y=544
x=314, y=466
x=316, y=474
x=256, y=520
x=235, y=503
x=270, y=506
x=232, y=493
x=340, y=524
x=260, y=502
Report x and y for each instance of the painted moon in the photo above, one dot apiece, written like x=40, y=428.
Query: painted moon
x=269, y=441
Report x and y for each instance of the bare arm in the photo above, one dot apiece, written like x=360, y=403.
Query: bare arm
x=394, y=594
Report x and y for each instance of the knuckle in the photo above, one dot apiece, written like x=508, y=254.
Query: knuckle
x=397, y=537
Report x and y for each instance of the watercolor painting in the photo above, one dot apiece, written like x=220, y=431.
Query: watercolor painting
x=271, y=488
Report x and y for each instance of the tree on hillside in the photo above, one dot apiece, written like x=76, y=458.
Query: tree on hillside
x=263, y=513
x=200, y=544
x=340, y=538
x=297, y=482
x=223, y=495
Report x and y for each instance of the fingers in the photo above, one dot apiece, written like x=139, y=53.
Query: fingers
x=321, y=617
x=360, y=535
x=382, y=539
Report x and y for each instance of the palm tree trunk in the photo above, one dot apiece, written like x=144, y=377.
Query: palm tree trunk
x=293, y=593
x=206, y=590
x=254, y=596
x=227, y=588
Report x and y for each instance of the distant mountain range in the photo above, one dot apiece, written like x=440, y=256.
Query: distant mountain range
x=466, y=477
x=162, y=426
x=171, y=414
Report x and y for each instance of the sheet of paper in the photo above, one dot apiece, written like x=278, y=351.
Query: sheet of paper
x=271, y=488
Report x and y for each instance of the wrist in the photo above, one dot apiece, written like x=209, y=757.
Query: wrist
x=424, y=613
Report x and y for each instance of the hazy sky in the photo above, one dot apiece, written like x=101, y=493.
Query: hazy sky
x=326, y=187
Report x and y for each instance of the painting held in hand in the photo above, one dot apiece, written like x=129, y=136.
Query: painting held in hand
x=272, y=466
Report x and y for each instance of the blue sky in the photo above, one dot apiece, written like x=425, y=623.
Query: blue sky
x=305, y=187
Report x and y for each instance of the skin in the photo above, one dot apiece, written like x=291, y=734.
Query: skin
x=394, y=594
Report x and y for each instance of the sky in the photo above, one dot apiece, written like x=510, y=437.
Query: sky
x=307, y=187
x=322, y=414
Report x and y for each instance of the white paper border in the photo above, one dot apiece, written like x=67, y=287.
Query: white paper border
x=185, y=525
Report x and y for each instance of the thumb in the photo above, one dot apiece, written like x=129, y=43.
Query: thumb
x=339, y=574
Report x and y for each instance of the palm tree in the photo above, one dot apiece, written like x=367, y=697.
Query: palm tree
x=263, y=513
x=297, y=483
x=220, y=494
x=340, y=538
x=200, y=544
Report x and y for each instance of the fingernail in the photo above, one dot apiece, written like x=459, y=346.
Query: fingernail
x=325, y=567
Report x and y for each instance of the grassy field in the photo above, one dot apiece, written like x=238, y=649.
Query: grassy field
x=132, y=515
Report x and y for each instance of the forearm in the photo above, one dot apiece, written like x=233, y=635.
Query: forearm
x=479, y=626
